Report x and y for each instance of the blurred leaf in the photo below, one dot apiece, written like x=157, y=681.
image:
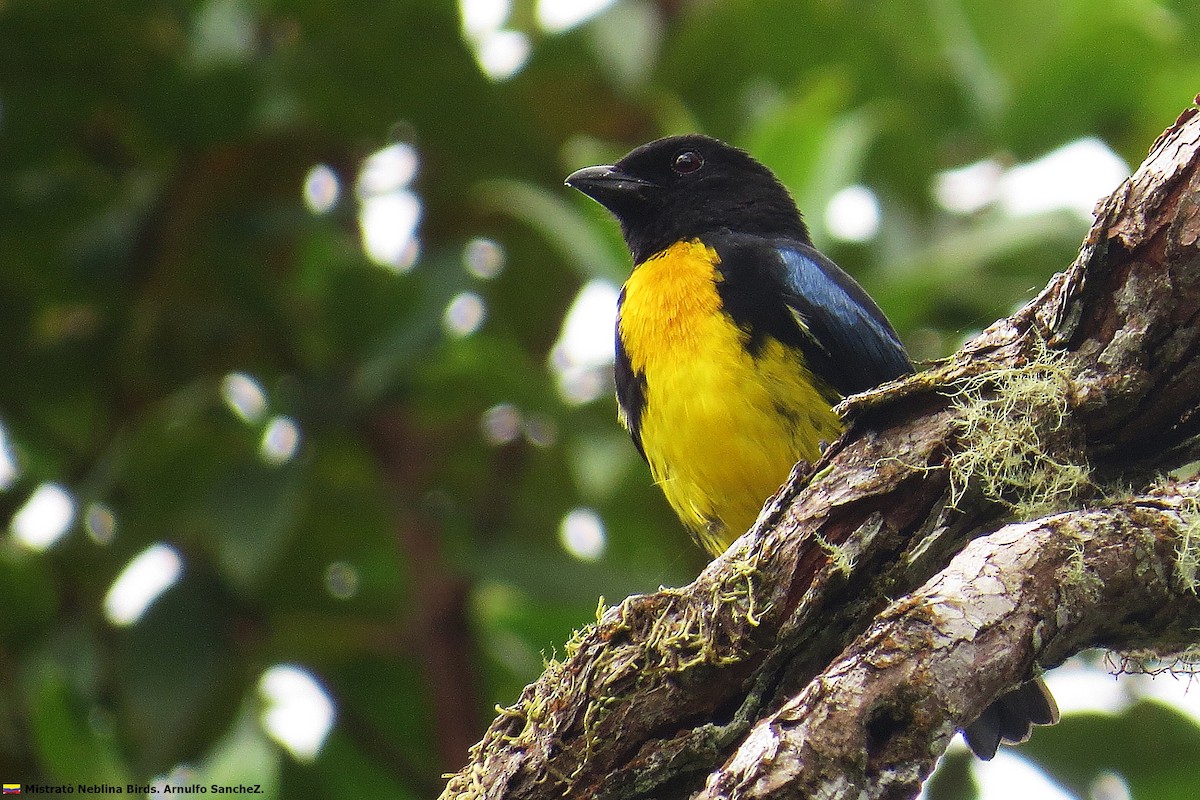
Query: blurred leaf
x=1159, y=754
x=626, y=38
x=26, y=593
x=244, y=756
x=815, y=146
x=344, y=772
x=252, y=512
x=177, y=674
x=72, y=736
x=561, y=224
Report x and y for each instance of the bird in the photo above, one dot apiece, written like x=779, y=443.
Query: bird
x=735, y=337
x=735, y=340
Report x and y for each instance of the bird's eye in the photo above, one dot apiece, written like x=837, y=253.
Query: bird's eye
x=687, y=162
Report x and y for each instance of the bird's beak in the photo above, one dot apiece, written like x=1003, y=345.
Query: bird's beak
x=608, y=185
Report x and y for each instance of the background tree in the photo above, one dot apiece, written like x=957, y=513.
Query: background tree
x=284, y=287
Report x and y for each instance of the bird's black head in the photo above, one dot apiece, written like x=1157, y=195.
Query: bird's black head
x=684, y=187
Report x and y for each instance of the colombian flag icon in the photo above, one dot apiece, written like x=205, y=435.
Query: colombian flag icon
x=12, y=788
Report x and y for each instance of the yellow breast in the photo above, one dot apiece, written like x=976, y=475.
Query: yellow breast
x=720, y=428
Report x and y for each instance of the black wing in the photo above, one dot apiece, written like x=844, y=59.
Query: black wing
x=857, y=343
x=788, y=290
x=631, y=388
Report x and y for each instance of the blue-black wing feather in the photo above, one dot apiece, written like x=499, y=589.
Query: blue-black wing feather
x=857, y=347
x=787, y=290
x=631, y=388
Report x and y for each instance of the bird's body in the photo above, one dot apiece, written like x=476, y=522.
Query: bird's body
x=735, y=339
x=719, y=424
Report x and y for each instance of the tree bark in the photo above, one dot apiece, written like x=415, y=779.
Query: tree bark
x=1011, y=498
x=874, y=723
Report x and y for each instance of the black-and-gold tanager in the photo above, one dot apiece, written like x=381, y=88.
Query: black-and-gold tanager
x=735, y=339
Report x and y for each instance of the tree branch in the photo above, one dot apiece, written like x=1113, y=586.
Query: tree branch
x=874, y=723
x=1089, y=387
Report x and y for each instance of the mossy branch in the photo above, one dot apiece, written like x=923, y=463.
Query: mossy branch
x=874, y=723
x=1065, y=415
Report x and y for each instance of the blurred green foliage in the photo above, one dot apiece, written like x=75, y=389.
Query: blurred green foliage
x=155, y=239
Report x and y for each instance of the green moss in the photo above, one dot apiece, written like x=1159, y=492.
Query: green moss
x=682, y=634
x=1187, y=552
x=842, y=557
x=1013, y=440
